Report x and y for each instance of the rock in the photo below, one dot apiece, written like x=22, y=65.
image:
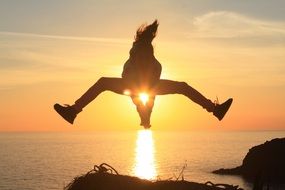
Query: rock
x=266, y=160
x=105, y=177
x=232, y=171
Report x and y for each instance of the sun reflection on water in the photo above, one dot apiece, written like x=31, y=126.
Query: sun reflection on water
x=145, y=159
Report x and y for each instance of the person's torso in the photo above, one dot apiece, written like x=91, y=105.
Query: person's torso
x=142, y=72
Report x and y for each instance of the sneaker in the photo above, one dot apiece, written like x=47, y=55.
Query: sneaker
x=67, y=112
x=220, y=110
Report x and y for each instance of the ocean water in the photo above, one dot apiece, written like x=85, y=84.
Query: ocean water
x=51, y=160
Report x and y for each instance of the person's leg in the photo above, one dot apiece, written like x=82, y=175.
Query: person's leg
x=69, y=113
x=116, y=85
x=144, y=110
x=173, y=87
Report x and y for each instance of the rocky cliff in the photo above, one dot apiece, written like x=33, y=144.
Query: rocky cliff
x=266, y=160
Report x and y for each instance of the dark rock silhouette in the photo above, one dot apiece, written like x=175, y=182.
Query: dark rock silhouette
x=107, y=181
x=264, y=162
x=105, y=177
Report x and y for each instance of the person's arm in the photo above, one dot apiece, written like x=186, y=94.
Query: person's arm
x=157, y=70
x=126, y=69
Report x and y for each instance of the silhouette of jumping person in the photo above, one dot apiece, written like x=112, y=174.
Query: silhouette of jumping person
x=141, y=74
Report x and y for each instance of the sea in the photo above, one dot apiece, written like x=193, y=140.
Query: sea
x=51, y=160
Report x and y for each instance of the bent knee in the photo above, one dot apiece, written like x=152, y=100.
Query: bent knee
x=112, y=84
x=104, y=80
x=182, y=85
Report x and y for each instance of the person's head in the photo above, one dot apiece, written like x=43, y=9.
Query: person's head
x=142, y=46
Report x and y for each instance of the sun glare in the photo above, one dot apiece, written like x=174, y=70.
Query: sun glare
x=127, y=92
x=143, y=97
x=145, y=160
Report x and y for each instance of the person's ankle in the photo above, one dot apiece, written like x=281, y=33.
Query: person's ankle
x=210, y=106
x=76, y=108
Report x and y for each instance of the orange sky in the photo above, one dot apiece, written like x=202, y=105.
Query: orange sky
x=220, y=50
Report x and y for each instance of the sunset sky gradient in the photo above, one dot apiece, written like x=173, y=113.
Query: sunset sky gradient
x=53, y=51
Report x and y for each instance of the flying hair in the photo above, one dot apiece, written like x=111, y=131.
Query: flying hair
x=146, y=33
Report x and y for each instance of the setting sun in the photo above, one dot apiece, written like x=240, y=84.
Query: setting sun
x=143, y=97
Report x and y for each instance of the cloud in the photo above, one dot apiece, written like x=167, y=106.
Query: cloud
x=225, y=24
x=27, y=58
x=58, y=37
